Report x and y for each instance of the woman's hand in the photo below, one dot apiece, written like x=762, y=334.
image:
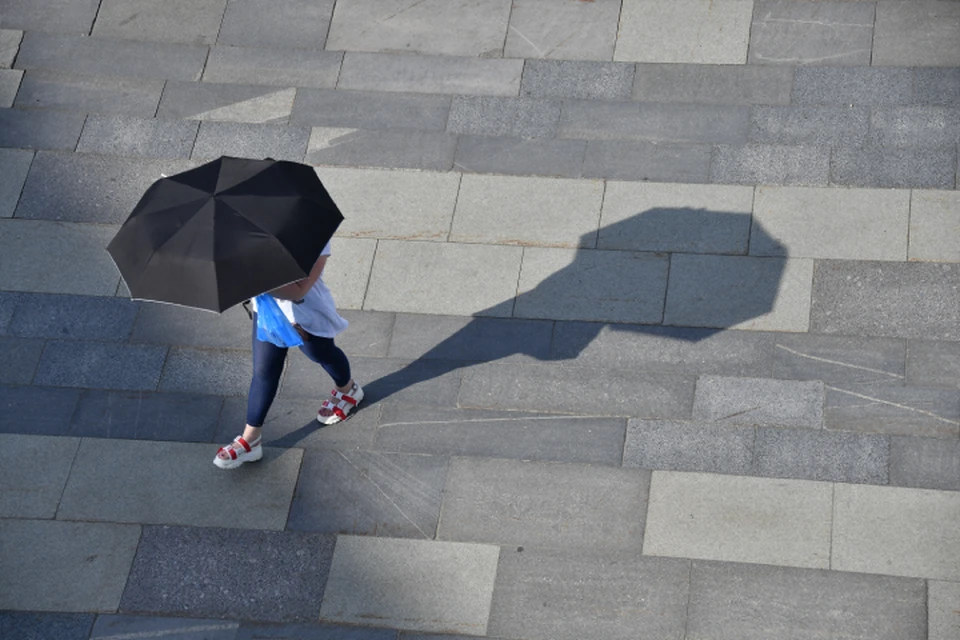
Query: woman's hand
x=297, y=290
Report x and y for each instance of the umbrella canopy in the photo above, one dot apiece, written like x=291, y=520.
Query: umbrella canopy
x=231, y=229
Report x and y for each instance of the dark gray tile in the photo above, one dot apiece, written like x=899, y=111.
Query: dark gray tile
x=170, y=325
x=619, y=160
x=369, y=335
x=100, y=365
x=576, y=79
x=853, y=85
x=287, y=23
x=207, y=371
x=919, y=34
x=278, y=67
x=516, y=156
x=933, y=363
x=915, y=126
x=246, y=140
x=654, y=122
x=822, y=455
x=370, y=110
x=511, y=117
x=314, y=631
x=40, y=129
x=20, y=357
x=369, y=493
x=146, y=416
x=713, y=84
x=131, y=136
x=771, y=164
x=69, y=317
x=8, y=303
x=37, y=410
x=469, y=339
x=809, y=125
x=797, y=33
x=114, y=627
x=925, y=463
x=893, y=409
x=890, y=299
x=14, y=167
x=897, y=167
x=427, y=150
x=938, y=86
x=759, y=401
x=27, y=625
x=689, y=446
x=215, y=573
x=838, y=359
x=554, y=595
x=41, y=88
x=755, y=602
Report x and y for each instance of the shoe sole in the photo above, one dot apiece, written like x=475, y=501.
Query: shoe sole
x=334, y=419
x=233, y=464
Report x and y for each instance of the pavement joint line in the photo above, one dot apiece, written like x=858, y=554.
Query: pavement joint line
x=893, y=404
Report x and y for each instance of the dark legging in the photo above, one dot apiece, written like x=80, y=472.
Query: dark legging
x=268, y=361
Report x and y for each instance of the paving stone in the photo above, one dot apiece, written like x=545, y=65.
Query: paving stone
x=566, y=284
x=8, y=302
x=914, y=126
x=37, y=410
x=943, y=621
x=446, y=267
x=39, y=129
x=933, y=363
x=739, y=292
x=579, y=78
x=424, y=337
x=484, y=154
x=245, y=140
x=218, y=577
x=897, y=300
x=688, y=31
x=713, y=84
x=369, y=335
x=527, y=211
x=688, y=446
x=771, y=164
x=428, y=150
x=73, y=317
x=695, y=123
x=544, y=505
x=675, y=217
x=897, y=167
x=798, y=33
x=9, y=46
x=15, y=165
x=921, y=34
x=759, y=401
x=749, y=602
x=20, y=357
x=822, y=455
x=115, y=627
x=225, y=102
x=146, y=416
x=496, y=116
x=90, y=187
x=49, y=15
x=65, y=566
x=430, y=74
x=109, y=57
x=551, y=594
x=312, y=631
x=371, y=110
x=396, y=205
x=171, y=325
x=10, y=81
x=853, y=85
x=620, y=160
x=277, y=67
x=288, y=23
x=33, y=471
x=845, y=224
x=189, y=23
x=412, y=428
x=89, y=94
x=440, y=27
x=574, y=31
x=558, y=389
x=27, y=625
x=893, y=409
x=41, y=256
x=206, y=371
x=926, y=463
x=447, y=585
x=810, y=125
x=934, y=220
x=838, y=359
x=937, y=86
x=131, y=136
x=348, y=275
x=896, y=531
x=369, y=493
x=100, y=365
x=778, y=522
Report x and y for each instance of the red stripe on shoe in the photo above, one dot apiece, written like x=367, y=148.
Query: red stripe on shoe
x=350, y=400
x=243, y=443
x=339, y=413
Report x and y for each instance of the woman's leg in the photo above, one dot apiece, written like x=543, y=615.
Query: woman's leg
x=334, y=361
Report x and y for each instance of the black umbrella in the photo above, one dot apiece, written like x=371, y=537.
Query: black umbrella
x=231, y=229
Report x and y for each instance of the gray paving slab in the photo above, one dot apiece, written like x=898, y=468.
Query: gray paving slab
x=654, y=122
x=271, y=66
x=580, y=78
x=89, y=94
x=220, y=578
x=398, y=149
x=8, y=303
x=859, y=85
x=100, y=365
x=10, y=81
x=484, y=154
x=713, y=84
x=893, y=409
x=39, y=129
x=914, y=126
x=574, y=31
x=73, y=317
x=20, y=357
x=544, y=505
x=933, y=363
x=311, y=631
x=430, y=74
x=568, y=284
x=37, y=410
x=430, y=337
x=194, y=23
x=927, y=463
x=498, y=116
x=288, y=23
x=798, y=33
x=921, y=34
x=500, y=434
x=9, y=46
x=167, y=324
x=759, y=401
x=124, y=135
x=370, y=333
x=99, y=56
x=750, y=602
x=934, y=220
x=49, y=15
x=562, y=595
x=559, y=389
x=838, y=359
x=897, y=167
x=16, y=165
x=110, y=627
x=898, y=300
x=65, y=566
x=34, y=470
x=29, y=625
x=247, y=140
x=371, y=110
x=809, y=125
x=226, y=102
x=942, y=617
x=146, y=416
x=822, y=455
x=369, y=493
x=939, y=86
x=620, y=160
x=772, y=164
x=411, y=584
x=206, y=371
x=676, y=445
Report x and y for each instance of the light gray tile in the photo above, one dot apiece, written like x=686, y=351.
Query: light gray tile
x=39, y=129
x=226, y=102
x=623, y=160
x=688, y=446
x=575, y=78
x=853, y=85
x=285, y=23
x=797, y=33
x=130, y=136
x=496, y=116
x=89, y=94
x=247, y=140
x=279, y=67
x=713, y=84
x=933, y=363
x=15, y=164
x=570, y=31
x=771, y=164
x=371, y=110
x=925, y=463
x=430, y=74
x=654, y=122
x=934, y=220
x=484, y=154
x=893, y=409
x=916, y=34
x=33, y=472
x=822, y=455
x=188, y=23
x=347, y=273
x=759, y=401
x=398, y=149
x=49, y=15
x=10, y=81
x=894, y=167
x=943, y=621
x=9, y=46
